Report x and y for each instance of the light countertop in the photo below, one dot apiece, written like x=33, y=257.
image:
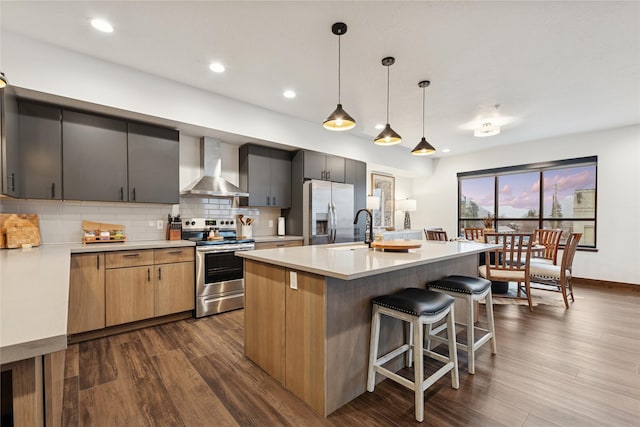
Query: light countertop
x=264, y=239
x=349, y=261
x=34, y=295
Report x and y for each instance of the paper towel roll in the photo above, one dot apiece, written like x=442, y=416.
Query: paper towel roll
x=281, y=226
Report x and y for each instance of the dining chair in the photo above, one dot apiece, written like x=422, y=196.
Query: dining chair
x=440, y=235
x=550, y=239
x=473, y=233
x=498, y=265
x=555, y=278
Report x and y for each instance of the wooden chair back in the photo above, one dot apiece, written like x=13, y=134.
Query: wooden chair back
x=440, y=235
x=550, y=239
x=570, y=248
x=473, y=233
x=513, y=246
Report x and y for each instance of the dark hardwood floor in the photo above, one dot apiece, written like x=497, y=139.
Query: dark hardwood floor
x=554, y=367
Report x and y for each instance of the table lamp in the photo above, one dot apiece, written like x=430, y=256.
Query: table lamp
x=407, y=205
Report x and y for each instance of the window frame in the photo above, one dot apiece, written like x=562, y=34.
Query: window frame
x=527, y=168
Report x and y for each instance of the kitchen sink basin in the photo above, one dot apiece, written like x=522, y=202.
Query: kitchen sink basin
x=354, y=247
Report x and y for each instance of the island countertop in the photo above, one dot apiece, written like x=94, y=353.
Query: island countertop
x=353, y=260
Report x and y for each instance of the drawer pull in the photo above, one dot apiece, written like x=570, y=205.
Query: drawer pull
x=148, y=274
x=159, y=273
x=175, y=253
x=130, y=256
x=280, y=244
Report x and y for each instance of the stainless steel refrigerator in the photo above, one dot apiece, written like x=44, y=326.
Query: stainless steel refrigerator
x=328, y=212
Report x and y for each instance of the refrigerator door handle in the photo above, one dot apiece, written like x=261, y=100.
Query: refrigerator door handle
x=335, y=222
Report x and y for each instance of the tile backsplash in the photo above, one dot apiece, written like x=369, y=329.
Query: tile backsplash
x=61, y=221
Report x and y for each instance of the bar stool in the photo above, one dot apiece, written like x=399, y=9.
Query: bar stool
x=472, y=289
x=418, y=307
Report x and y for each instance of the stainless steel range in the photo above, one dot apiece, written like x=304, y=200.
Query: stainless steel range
x=219, y=273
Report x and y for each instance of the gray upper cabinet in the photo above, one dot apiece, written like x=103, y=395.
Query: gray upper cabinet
x=265, y=173
x=10, y=146
x=323, y=166
x=356, y=174
x=40, y=150
x=154, y=166
x=94, y=157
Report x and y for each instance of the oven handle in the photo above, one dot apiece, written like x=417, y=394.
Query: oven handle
x=236, y=295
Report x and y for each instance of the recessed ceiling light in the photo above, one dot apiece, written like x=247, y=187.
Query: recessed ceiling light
x=379, y=126
x=289, y=94
x=487, y=129
x=102, y=25
x=446, y=150
x=216, y=67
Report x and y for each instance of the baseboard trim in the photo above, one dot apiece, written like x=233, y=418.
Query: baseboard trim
x=597, y=282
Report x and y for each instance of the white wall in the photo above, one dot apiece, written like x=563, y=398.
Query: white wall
x=618, y=208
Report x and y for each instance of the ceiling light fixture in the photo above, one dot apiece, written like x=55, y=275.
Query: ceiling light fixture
x=216, y=67
x=3, y=80
x=289, y=94
x=487, y=129
x=339, y=119
x=388, y=136
x=102, y=25
x=423, y=148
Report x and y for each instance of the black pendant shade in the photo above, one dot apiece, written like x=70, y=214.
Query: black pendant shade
x=423, y=148
x=339, y=119
x=388, y=136
x=3, y=80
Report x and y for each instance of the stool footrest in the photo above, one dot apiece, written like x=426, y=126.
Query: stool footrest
x=393, y=354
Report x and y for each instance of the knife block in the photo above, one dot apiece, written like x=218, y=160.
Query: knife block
x=174, y=232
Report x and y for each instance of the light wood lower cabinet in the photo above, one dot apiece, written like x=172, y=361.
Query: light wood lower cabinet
x=86, y=293
x=119, y=287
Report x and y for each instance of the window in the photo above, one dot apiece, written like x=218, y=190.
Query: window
x=560, y=194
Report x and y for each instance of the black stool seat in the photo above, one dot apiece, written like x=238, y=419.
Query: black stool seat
x=462, y=284
x=415, y=301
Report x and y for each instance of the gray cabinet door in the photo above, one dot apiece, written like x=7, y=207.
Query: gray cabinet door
x=356, y=174
x=154, y=164
x=94, y=157
x=40, y=150
x=334, y=168
x=10, y=143
x=280, y=179
x=314, y=165
x=255, y=174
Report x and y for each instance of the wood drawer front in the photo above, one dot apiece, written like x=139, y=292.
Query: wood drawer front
x=119, y=259
x=285, y=244
x=169, y=255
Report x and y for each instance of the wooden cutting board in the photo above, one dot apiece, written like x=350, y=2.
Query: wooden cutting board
x=13, y=225
x=396, y=245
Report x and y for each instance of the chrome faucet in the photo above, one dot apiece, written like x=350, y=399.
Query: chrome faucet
x=355, y=221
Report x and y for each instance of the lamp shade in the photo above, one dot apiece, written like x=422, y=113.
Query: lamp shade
x=3, y=81
x=407, y=205
x=373, y=202
x=388, y=137
x=339, y=120
x=423, y=148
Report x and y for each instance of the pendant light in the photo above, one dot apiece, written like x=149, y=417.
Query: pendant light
x=388, y=136
x=339, y=119
x=3, y=80
x=423, y=148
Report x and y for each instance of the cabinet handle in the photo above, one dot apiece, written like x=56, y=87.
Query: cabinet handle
x=279, y=244
x=97, y=262
x=328, y=175
x=13, y=181
x=159, y=273
x=148, y=274
x=130, y=255
x=134, y=194
x=121, y=193
x=175, y=253
x=274, y=201
x=322, y=175
x=267, y=200
x=53, y=190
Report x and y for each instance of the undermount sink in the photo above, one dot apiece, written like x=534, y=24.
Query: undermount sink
x=354, y=247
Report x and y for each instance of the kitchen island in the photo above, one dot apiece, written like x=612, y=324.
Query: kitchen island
x=308, y=310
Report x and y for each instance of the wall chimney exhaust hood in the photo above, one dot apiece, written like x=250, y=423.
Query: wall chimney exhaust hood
x=211, y=184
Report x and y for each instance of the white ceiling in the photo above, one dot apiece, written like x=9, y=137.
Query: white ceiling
x=553, y=68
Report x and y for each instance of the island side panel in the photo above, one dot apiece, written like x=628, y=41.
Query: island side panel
x=264, y=332
x=349, y=319
x=305, y=338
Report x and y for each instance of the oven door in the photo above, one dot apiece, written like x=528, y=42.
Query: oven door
x=218, y=272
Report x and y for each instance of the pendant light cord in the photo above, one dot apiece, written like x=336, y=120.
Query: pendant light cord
x=388, y=94
x=423, y=109
x=339, y=69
